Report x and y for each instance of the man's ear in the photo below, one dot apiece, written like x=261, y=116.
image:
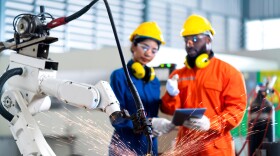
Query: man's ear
x=208, y=44
x=208, y=40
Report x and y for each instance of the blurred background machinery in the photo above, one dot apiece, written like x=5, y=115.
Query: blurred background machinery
x=246, y=37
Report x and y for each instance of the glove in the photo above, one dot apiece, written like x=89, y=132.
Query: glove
x=161, y=126
x=172, y=85
x=202, y=124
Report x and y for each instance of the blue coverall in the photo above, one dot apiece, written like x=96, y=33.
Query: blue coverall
x=150, y=96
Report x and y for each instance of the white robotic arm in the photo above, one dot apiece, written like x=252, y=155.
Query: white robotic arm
x=28, y=94
x=99, y=96
x=37, y=82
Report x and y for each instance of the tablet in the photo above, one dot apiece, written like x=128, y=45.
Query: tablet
x=181, y=115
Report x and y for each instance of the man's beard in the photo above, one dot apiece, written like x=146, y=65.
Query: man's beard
x=191, y=59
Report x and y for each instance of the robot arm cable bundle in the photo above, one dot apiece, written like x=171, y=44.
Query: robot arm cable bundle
x=10, y=73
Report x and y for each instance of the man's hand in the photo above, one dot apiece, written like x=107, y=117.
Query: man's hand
x=172, y=85
x=161, y=126
x=202, y=124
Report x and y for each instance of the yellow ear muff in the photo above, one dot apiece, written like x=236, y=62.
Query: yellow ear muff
x=138, y=70
x=202, y=61
x=145, y=73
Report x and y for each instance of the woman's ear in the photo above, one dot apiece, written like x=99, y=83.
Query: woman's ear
x=132, y=48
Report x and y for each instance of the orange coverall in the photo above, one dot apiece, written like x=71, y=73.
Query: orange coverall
x=220, y=88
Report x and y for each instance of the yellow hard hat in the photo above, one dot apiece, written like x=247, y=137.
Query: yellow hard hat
x=148, y=29
x=196, y=24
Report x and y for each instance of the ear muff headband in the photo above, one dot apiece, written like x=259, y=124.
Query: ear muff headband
x=152, y=74
x=140, y=72
x=186, y=64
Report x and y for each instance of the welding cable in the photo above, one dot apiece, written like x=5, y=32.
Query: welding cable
x=63, y=20
x=252, y=93
x=141, y=115
x=8, y=74
x=266, y=129
x=250, y=127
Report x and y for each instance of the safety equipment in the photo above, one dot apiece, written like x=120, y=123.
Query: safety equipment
x=200, y=62
x=196, y=24
x=143, y=72
x=161, y=126
x=149, y=30
x=202, y=124
x=172, y=86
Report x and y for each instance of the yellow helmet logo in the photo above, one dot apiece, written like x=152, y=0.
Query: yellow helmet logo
x=196, y=24
x=148, y=29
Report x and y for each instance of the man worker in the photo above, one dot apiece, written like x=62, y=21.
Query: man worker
x=205, y=82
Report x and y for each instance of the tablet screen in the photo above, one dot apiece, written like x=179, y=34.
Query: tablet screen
x=181, y=115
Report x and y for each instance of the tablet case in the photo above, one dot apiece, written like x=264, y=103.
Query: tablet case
x=181, y=115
